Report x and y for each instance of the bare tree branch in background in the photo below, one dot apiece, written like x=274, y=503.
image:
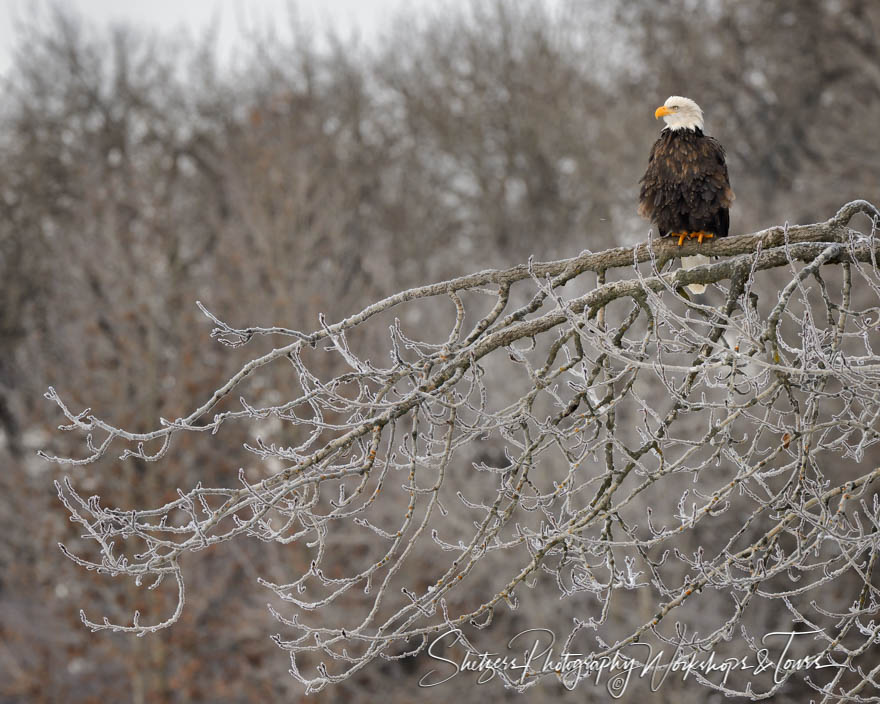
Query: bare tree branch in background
x=649, y=458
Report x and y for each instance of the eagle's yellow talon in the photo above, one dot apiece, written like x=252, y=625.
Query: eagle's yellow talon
x=681, y=237
x=706, y=235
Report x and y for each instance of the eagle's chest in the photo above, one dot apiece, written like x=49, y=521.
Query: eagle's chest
x=680, y=160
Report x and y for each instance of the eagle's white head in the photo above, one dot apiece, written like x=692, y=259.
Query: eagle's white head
x=680, y=113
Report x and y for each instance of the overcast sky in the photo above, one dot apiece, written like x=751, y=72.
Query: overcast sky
x=232, y=15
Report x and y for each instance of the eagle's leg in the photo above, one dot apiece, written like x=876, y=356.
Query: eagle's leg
x=684, y=234
x=699, y=236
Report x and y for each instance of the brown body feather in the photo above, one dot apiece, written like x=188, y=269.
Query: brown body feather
x=686, y=188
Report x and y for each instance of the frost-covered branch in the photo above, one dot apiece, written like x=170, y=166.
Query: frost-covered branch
x=582, y=426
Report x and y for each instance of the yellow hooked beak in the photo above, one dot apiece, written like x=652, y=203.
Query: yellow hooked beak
x=661, y=111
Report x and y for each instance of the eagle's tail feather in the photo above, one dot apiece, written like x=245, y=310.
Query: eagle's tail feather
x=690, y=263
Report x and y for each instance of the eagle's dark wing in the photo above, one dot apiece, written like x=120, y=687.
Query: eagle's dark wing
x=712, y=185
x=650, y=185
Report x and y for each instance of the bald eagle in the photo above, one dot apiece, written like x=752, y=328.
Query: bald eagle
x=685, y=192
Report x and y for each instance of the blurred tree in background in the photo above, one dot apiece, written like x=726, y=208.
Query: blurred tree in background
x=315, y=177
